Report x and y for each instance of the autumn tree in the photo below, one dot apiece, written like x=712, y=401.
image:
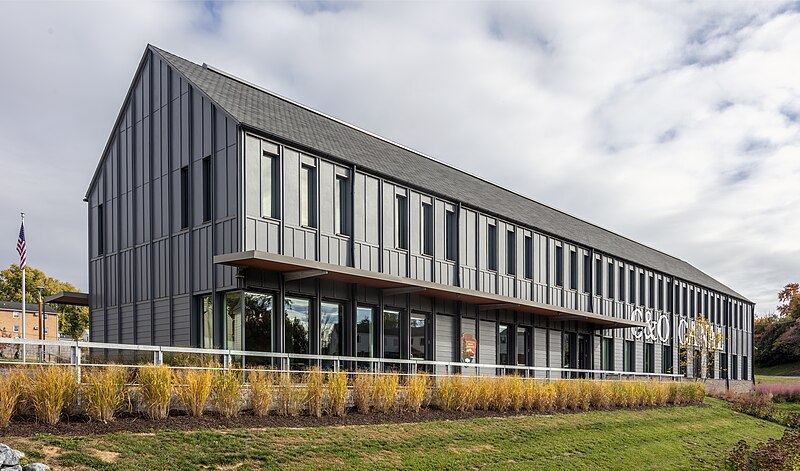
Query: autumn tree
x=72, y=320
x=777, y=337
x=701, y=338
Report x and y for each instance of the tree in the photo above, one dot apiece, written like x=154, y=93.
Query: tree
x=777, y=337
x=72, y=320
x=704, y=340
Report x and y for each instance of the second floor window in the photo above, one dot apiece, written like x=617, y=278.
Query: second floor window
x=559, y=266
x=308, y=196
x=632, y=286
x=270, y=185
x=641, y=289
x=341, y=205
x=598, y=277
x=511, y=253
x=610, y=280
x=184, y=197
x=427, y=229
x=587, y=274
x=528, y=254
x=451, y=234
x=101, y=230
x=207, y=181
x=652, y=298
x=621, y=294
x=491, y=247
x=573, y=269
x=401, y=223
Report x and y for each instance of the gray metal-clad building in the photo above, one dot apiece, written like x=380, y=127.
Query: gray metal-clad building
x=223, y=215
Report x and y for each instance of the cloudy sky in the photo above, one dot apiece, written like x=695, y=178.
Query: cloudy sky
x=677, y=125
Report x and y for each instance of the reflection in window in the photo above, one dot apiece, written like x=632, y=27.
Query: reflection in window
x=391, y=334
x=365, y=336
x=308, y=196
x=258, y=322
x=297, y=333
x=233, y=320
x=419, y=336
x=608, y=354
x=427, y=229
x=503, y=344
x=491, y=247
x=523, y=335
x=330, y=329
x=207, y=314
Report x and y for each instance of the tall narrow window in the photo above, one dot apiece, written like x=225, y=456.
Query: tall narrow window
x=631, y=286
x=491, y=247
x=365, y=331
x=258, y=309
x=573, y=269
x=649, y=358
x=401, y=222
x=641, y=289
x=270, y=185
x=559, y=266
x=391, y=333
x=297, y=313
x=621, y=294
x=608, y=354
x=308, y=196
x=184, y=197
x=670, y=294
x=101, y=230
x=342, y=205
x=207, y=189
x=587, y=273
x=451, y=235
x=628, y=355
x=427, y=229
x=651, y=300
x=598, y=277
x=511, y=253
x=528, y=255
x=419, y=336
x=207, y=322
x=610, y=280
x=330, y=328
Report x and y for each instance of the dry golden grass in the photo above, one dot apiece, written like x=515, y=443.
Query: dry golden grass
x=155, y=389
x=416, y=390
x=384, y=392
x=11, y=384
x=336, y=388
x=289, y=396
x=262, y=385
x=193, y=389
x=315, y=390
x=104, y=392
x=362, y=391
x=226, y=395
x=50, y=390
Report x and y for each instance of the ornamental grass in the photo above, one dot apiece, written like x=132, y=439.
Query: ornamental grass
x=104, y=392
x=336, y=389
x=362, y=391
x=155, y=390
x=193, y=388
x=11, y=383
x=226, y=392
x=315, y=390
x=50, y=390
x=416, y=390
x=262, y=385
x=384, y=392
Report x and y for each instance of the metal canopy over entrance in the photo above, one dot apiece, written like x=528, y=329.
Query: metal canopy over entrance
x=289, y=265
x=69, y=298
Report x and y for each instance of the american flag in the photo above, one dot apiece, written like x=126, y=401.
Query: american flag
x=22, y=248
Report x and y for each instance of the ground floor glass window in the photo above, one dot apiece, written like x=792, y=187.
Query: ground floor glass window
x=607, y=353
x=391, y=334
x=330, y=328
x=628, y=355
x=258, y=324
x=503, y=344
x=297, y=314
x=207, y=321
x=649, y=358
x=666, y=359
x=233, y=320
x=365, y=335
x=419, y=336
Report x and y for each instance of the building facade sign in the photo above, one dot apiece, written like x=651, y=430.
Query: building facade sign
x=657, y=327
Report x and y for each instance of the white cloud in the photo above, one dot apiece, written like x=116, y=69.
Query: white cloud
x=677, y=125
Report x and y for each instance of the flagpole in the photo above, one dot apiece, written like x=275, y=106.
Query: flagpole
x=24, y=313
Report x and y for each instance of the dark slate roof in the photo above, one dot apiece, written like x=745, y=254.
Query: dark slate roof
x=262, y=110
x=30, y=307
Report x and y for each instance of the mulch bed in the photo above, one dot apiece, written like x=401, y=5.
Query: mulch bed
x=179, y=421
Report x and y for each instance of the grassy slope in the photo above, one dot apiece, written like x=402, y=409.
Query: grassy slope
x=761, y=379
x=787, y=369
x=678, y=438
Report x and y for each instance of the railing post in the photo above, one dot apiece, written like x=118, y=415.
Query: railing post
x=158, y=357
x=227, y=360
x=76, y=360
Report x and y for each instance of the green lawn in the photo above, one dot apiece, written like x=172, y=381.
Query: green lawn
x=766, y=379
x=787, y=406
x=673, y=437
x=787, y=369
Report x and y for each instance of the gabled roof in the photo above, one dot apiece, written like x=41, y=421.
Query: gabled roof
x=262, y=110
x=29, y=307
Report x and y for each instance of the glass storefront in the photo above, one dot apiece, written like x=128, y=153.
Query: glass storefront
x=233, y=320
x=207, y=322
x=258, y=322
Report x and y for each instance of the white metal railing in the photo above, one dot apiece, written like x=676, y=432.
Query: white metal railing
x=289, y=362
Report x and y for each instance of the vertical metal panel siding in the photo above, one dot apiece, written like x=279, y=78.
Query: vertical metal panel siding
x=445, y=331
x=487, y=349
x=137, y=229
